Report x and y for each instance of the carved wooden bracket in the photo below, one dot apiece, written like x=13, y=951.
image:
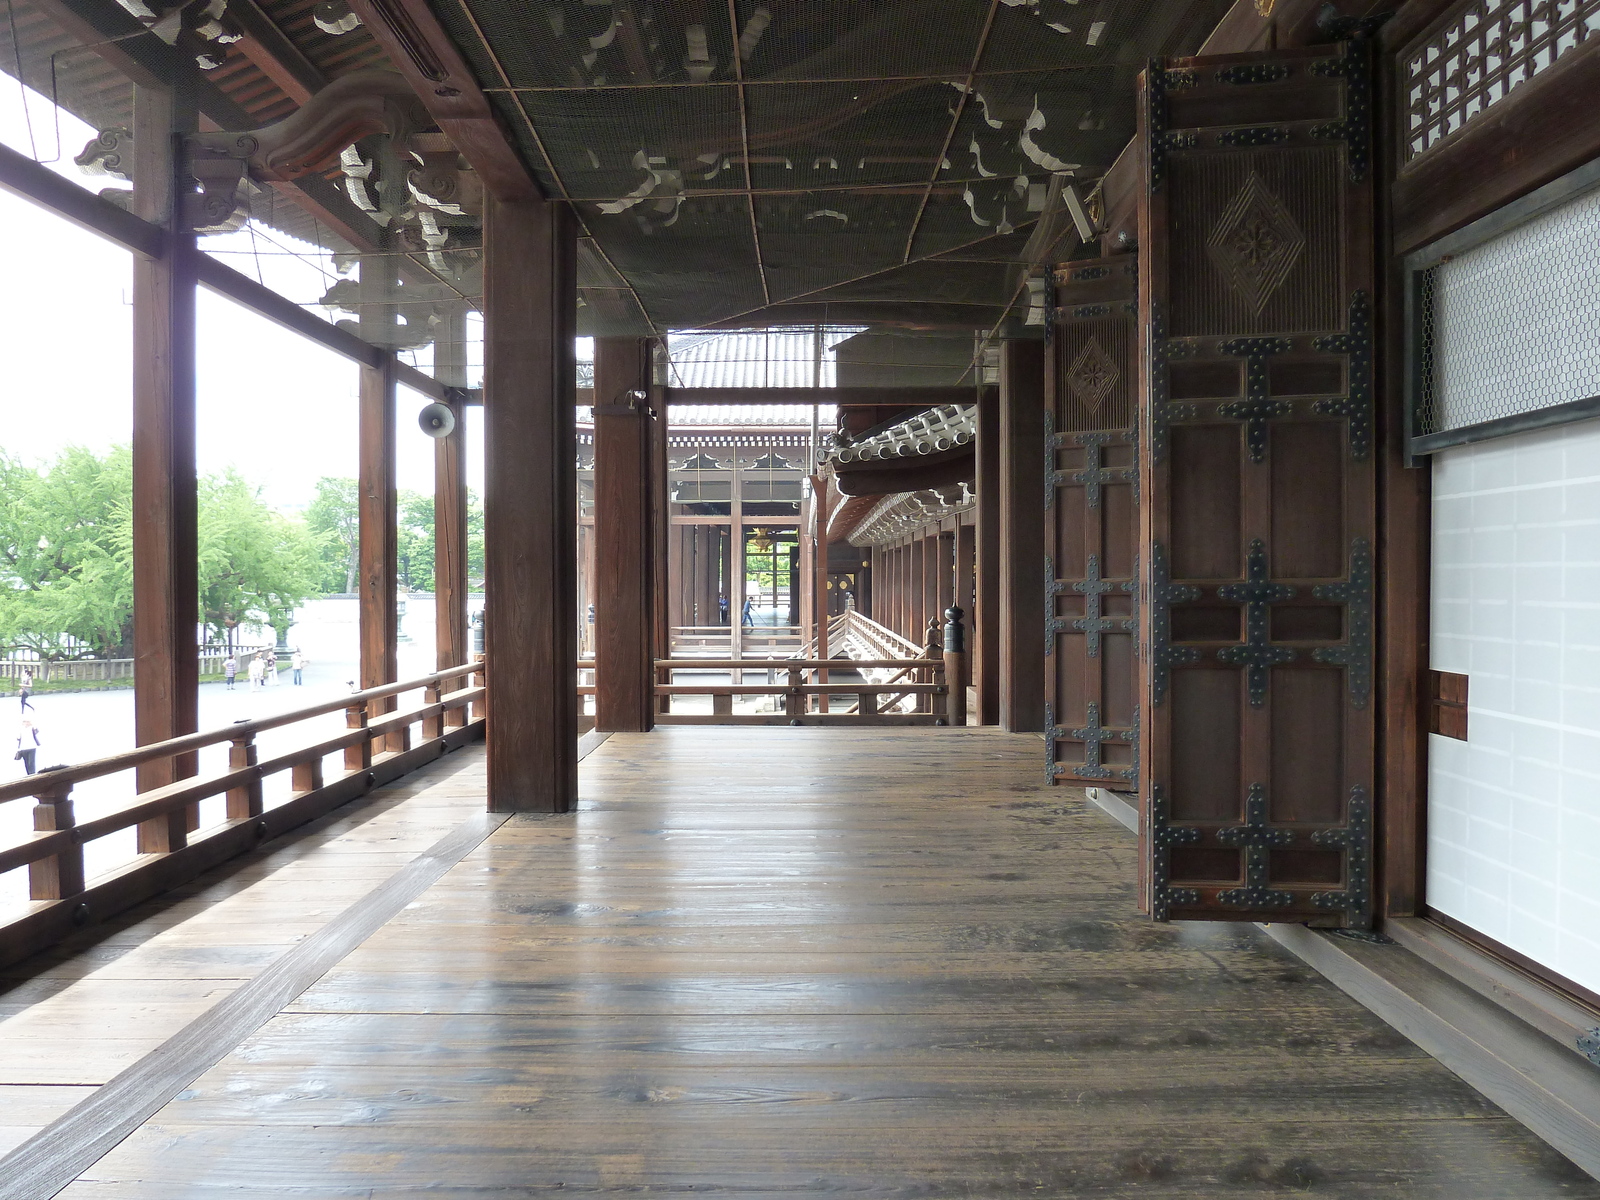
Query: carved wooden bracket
x=312, y=137
x=322, y=134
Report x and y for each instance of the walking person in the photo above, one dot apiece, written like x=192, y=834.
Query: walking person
x=297, y=663
x=258, y=671
x=747, y=618
x=270, y=664
x=28, y=746
x=230, y=670
x=27, y=690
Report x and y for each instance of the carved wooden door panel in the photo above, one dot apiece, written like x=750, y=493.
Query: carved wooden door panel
x=1092, y=527
x=1259, y=487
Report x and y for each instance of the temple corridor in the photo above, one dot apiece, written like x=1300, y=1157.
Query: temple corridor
x=874, y=962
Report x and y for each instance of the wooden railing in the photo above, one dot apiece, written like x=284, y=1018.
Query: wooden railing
x=856, y=634
x=377, y=747
x=914, y=692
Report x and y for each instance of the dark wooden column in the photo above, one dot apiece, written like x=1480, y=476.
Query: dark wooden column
x=986, y=598
x=530, y=505
x=165, y=585
x=376, y=486
x=1022, y=548
x=624, y=615
x=450, y=503
x=660, y=503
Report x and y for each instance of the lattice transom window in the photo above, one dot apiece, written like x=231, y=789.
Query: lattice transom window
x=1512, y=325
x=1476, y=58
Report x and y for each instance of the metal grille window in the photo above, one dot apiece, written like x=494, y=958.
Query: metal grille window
x=1506, y=322
x=1477, y=56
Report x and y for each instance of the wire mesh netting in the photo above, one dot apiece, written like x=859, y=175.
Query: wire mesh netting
x=1512, y=326
x=870, y=135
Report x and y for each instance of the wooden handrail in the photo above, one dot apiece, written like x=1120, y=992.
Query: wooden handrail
x=377, y=746
x=128, y=759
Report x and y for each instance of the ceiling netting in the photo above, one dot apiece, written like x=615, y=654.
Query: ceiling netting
x=817, y=161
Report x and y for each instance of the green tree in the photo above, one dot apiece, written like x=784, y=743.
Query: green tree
x=256, y=565
x=335, y=523
x=66, y=548
x=66, y=555
x=414, y=541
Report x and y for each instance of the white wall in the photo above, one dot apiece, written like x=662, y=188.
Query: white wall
x=1514, y=812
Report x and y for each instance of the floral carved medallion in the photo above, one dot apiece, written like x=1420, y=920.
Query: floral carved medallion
x=1256, y=243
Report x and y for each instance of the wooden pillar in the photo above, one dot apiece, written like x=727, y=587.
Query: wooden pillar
x=660, y=498
x=736, y=568
x=820, y=491
x=530, y=502
x=808, y=598
x=986, y=593
x=1022, y=549
x=624, y=566
x=376, y=513
x=165, y=584
x=450, y=502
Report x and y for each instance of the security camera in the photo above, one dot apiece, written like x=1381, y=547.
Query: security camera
x=437, y=420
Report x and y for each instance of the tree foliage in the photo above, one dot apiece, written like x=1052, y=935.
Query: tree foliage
x=333, y=519
x=256, y=565
x=335, y=522
x=66, y=555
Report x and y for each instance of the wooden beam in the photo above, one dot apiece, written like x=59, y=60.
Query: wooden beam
x=380, y=629
x=1022, y=548
x=21, y=176
x=166, y=598
x=899, y=397
x=279, y=59
x=624, y=539
x=222, y=279
x=423, y=52
x=530, y=516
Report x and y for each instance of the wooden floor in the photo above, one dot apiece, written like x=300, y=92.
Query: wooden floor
x=767, y=963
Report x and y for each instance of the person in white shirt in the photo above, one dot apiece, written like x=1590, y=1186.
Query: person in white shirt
x=297, y=663
x=258, y=671
x=28, y=745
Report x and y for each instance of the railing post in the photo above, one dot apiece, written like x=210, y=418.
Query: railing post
x=305, y=777
x=794, y=700
x=397, y=740
x=456, y=716
x=663, y=701
x=243, y=801
x=357, y=757
x=432, y=727
x=955, y=665
x=933, y=650
x=60, y=875
x=480, y=679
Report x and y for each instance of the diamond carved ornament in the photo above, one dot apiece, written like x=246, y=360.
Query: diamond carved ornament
x=1256, y=243
x=1092, y=375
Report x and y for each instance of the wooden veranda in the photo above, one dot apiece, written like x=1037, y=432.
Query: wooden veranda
x=868, y=962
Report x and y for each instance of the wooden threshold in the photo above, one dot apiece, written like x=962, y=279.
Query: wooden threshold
x=1511, y=1037
x=1539, y=1081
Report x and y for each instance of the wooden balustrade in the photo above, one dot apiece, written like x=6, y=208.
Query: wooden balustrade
x=896, y=674
x=377, y=748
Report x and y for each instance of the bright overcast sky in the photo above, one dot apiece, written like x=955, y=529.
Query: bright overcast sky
x=273, y=405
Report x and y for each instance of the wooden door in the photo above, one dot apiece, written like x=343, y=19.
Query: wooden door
x=1092, y=527
x=1259, y=487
